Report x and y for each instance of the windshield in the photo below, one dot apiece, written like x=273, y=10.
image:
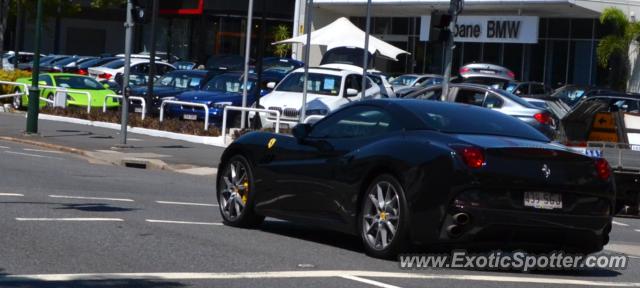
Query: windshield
x=78, y=82
x=115, y=64
x=228, y=83
x=404, y=80
x=467, y=119
x=318, y=84
x=278, y=65
x=179, y=80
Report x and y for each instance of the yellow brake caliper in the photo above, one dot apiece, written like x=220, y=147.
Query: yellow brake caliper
x=246, y=192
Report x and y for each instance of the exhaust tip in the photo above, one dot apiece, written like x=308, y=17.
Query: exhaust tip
x=454, y=231
x=461, y=218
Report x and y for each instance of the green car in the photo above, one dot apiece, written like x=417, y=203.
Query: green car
x=71, y=83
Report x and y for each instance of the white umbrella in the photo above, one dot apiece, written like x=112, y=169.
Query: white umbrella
x=342, y=33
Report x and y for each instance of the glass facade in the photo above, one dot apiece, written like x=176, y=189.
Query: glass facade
x=565, y=54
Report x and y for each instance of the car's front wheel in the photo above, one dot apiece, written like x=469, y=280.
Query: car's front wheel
x=235, y=194
x=383, y=218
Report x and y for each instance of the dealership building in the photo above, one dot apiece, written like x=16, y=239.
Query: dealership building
x=551, y=41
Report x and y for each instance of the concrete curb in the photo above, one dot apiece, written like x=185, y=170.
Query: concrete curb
x=143, y=163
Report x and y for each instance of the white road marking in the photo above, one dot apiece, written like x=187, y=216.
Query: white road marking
x=619, y=223
x=311, y=274
x=135, y=139
x=187, y=203
x=92, y=198
x=31, y=155
x=4, y=147
x=370, y=282
x=45, y=151
x=637, y=230
x=12, y=194
x=69, y=219
x=182, y=222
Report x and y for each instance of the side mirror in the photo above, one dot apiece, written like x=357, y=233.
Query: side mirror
x=301, y=131
x=352, y=92
x=42, y=83
x=271, y=85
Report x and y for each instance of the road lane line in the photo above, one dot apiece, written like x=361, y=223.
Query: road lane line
x=311, y=274
x=45, y=151
x=4, y=147
x=70, y=219
x=12, y=194
x=91, y=198
x=370, y=282
x=187, y=203
x=31, y=155
x=637, y=230
x=183, y=222
x=619, y=224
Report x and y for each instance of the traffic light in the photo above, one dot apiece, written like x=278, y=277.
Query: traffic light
x=138, y=12
x=439, y=28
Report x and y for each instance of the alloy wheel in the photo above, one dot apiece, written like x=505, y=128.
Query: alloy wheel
x=381, y=215
x=17, y=102
x=235, y=190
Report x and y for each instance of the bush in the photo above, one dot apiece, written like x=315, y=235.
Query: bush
x=10, y=76
x=170, y=125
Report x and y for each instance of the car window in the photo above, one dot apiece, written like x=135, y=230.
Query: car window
x=429, y=94
x=470, y=96
x=404, y=80
x=352, y=81
x=75, y=82
x=537, y=89
x=229, y=83
x=317, y=83
x=492, y=101
x=355, y=122
x=624, y=105
x=161, y=69
x=46, y=79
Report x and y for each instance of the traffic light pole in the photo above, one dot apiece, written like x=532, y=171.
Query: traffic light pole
x=455, y=8
x=125, y=79
x=34, y=92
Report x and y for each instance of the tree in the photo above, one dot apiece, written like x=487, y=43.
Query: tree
x=281, y=32
x=613, y=49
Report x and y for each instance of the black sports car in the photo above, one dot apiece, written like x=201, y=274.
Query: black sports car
x=399, y=170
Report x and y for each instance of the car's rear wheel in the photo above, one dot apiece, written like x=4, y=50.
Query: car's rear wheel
x=383, y=218
x=235, y=194
x=17, y=100
x=50, y=97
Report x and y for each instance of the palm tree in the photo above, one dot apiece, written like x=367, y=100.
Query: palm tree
x=613, y=49
x=281, y=32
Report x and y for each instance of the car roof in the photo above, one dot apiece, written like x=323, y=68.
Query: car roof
x=65, y=74
x=325, y=70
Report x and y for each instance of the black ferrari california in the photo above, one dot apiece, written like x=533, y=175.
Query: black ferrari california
x=399, y=172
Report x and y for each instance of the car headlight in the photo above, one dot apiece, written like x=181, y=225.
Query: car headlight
x=320, y=112
x=220, y=105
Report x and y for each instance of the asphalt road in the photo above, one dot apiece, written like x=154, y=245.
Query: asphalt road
x=86, y=225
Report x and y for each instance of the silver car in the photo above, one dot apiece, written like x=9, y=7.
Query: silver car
x=499, y=100
x=481, y=70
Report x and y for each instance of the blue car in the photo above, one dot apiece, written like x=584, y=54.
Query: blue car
x=169, y=85
x=222, y=90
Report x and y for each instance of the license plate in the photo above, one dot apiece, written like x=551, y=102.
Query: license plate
x=138, y=110
x=190, y=117
x=543, y=200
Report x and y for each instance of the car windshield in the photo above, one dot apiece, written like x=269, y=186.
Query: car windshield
x=404, y=80
x=78, y=82
x=467, y=119
x=115, y=64
x=278, y=65
x=228, y=83
x=179, y=80
x=317, y=83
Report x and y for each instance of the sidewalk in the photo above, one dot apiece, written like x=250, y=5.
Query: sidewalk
x=98, y=144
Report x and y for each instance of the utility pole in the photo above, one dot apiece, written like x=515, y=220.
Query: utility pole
x=261, y=44
x=307, y=49
x=152, y=52
x=455, y=8
x=365, y=63
x=34, y=92
x=125, y=79
x=247, y=58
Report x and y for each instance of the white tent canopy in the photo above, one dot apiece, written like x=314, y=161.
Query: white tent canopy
x=342, y=33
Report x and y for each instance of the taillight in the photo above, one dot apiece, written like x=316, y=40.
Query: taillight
x=472, y=156
x=106, y=76
x=543, y=118
x=83, y=72
x=603, y=169
x=464, y=70
x=511, y=74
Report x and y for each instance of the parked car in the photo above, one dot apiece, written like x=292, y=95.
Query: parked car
x=398, y=172
x=47, y=60
x=572, y=94
x=495, y=99
x=482, y=70
x=82, y=68
x=59, y=66
x=73, y=83
x=327, y=90
x=222, y=90
x=9, y=58
x=382, y=80
x=169, y=85
x=185, y=65
x=529, y=89
x=411, y=80
x=279, y=65
x=139, y=71
x=225, y=63
x=434, y=80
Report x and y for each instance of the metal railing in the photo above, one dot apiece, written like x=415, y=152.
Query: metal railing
x=143, y=102
x=247, y=109
x=184, y=103
x=66, y=91
x=12, y=95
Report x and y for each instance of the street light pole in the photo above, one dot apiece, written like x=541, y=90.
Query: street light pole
x=152, y=52
x=455, y=8
x=18, y=38
x=365, y=63
x=247, y=57
x=307, y=49
x=125, y=77
x=34, y=92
